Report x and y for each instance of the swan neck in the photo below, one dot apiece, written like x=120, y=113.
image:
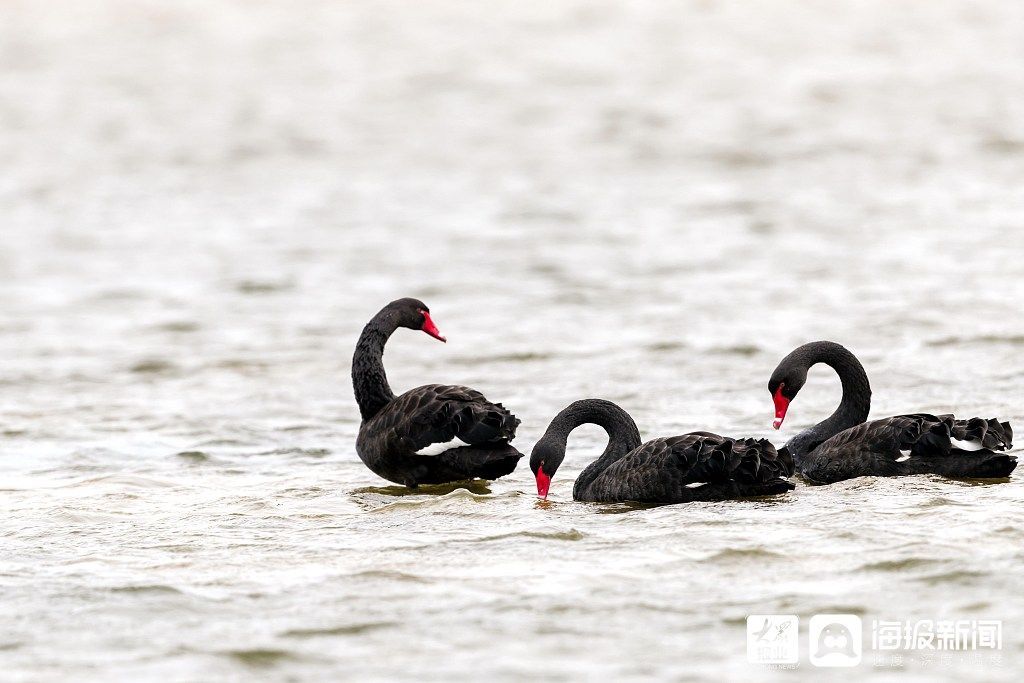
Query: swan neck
x=623, y=435
x=369, y=380
x=855, y=405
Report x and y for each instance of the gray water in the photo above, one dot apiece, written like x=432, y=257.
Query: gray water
x=651, y=202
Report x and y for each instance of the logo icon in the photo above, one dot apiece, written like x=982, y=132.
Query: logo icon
x=773, y=639
x=836, y=640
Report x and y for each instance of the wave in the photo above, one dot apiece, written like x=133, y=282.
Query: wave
x=347, y=630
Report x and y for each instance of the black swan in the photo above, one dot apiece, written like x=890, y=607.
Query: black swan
x=845, y=445
x=698, y=466
x=433, y=434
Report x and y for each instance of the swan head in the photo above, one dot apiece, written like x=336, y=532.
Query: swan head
x=785, y=384
x=415, y=315
x=546, y=457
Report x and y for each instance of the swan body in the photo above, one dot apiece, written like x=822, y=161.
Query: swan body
x=846, y=445
x=699, y=466
x=432, y=434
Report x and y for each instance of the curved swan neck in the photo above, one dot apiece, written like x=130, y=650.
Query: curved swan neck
x=622, y=431
x=623, y=435
x=855, y=405
x=368, y=377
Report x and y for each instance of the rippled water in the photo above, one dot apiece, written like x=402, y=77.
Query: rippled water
x=650, y=202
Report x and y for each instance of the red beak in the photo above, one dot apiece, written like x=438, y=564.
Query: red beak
x=543, y=483
x=781, y=406
x=430, y=328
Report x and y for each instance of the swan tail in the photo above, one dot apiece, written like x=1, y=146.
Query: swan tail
x=987, y=433
x=958, y=448
x=756, y=461
x=482, y=462
x=734, y=468
x=768, y=488
x=485, y=423
x=984, y=464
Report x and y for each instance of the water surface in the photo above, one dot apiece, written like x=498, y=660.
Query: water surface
x=650, y=202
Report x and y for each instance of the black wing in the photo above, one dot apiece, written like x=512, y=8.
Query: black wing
x=437, y=414
x=914, y=444
x=694, y=466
